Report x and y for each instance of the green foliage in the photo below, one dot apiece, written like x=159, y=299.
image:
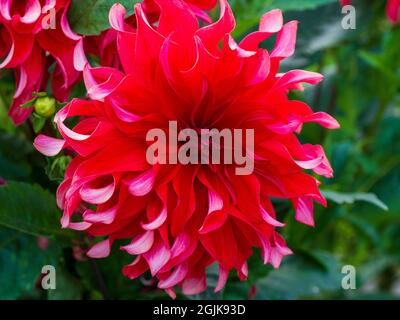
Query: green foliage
x=30, y=209
x=13, y=164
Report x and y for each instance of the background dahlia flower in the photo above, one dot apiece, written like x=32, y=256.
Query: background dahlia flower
x=179, y=219
x=30, y=48
x=392, y=9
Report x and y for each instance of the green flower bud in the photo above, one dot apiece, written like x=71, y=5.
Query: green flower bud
x=45, y=106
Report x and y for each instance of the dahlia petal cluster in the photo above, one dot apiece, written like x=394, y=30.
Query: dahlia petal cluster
x=392, y=9
x=104, y=45
x=177, y=220
x=30, y=43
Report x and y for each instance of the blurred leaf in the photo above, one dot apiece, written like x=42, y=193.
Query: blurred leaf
x=296, y=5
x=90, y=17
x=248, y=12
x=262, y=6
x=67, y=287
x=301, y=277
x=14, y=150
x=28, y=104
x=371, y=270
x=21, y=262
x=364, y=227
x=236, y=290
x=350, y=198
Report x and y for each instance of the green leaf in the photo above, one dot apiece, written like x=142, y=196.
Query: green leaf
x=90, y=17
x=28, y=104
x=56, y=167
x=350, y=198
x=30, y=209
x=38, y=122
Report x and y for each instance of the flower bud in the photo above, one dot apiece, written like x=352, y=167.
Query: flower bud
x=45, y=106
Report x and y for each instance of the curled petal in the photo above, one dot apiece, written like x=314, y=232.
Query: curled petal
x=140, y=244
x=176, y=276
x=101, y=82
x=157, y=256
x=192, y=286
x=117, y=17
x=136, y=268
x=294, y=77
x=286, y=41
x=106, y=217
x=215, y=202
x=100, y=250
x=271, y=22
x=79, y=226
x=304, y=210
x=278, y=251
x=212, y=34
x=80, y=60
x=33, y=11
x=142, y=184
x=97, y=195
x=222, y=278
x=48, y=146
x=323, y=119
x=269, y=219
x=213, y=221
x=157, y=222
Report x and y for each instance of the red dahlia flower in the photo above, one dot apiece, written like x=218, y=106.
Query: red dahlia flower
x=182, y=218
x=392, y=9
x=29, y=44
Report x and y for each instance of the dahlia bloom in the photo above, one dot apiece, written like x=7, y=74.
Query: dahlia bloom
x=179, y=219
x=392, y=9
x=29, y=47
x=105, y=44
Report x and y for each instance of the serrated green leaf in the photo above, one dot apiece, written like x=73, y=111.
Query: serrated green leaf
x=90, y=17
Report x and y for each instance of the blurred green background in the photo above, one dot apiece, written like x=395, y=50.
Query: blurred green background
x=361, y=226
